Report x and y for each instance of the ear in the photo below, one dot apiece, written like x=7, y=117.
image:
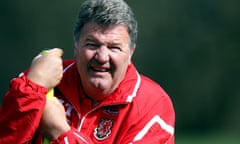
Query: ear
x=75, y=48
x=132, y=49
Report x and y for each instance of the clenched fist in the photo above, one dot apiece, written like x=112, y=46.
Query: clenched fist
x=46, y=70
x=53, y=122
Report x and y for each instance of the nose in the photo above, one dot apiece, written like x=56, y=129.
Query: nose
x=102, y=54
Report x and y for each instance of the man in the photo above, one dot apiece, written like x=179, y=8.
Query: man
x=100, y=96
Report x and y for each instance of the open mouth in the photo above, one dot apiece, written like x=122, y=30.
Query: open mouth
x=100, y=69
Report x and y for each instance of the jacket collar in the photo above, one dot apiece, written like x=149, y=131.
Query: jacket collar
x=71, y=88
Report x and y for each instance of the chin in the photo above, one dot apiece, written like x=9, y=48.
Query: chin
x=99, y=83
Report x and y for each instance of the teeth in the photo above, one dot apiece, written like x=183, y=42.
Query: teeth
x=100, y=69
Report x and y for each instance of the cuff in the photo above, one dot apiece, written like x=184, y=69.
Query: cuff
x=72, y=136
x=22, y=83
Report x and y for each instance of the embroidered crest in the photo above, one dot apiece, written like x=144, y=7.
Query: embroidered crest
x=104, y=129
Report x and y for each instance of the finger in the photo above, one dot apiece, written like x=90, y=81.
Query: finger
x=56, y=52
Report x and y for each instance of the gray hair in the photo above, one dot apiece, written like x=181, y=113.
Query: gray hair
x=107, y=13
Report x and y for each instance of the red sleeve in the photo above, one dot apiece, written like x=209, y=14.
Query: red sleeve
x=21, y=111
x=154, y=128
x=72, y=137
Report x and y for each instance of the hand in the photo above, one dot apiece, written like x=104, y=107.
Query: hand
x=46, y=70
x=53, y=122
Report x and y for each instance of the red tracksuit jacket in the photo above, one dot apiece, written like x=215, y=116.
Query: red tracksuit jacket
x=138, y=112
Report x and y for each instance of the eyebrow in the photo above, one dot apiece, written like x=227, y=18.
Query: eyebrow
x=92, y=39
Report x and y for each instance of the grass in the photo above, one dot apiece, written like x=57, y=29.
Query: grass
x=208, y=138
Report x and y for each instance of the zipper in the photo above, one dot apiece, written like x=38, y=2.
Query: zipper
x=92, y=110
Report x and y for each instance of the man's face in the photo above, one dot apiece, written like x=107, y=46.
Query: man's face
x=103, y=55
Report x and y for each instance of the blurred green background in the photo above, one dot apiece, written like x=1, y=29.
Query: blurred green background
x=190, y=47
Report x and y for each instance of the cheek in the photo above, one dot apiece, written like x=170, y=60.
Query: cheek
x=121, y=65
x=83, y=55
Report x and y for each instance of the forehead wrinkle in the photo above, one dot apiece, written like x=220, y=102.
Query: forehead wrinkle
x=102, y=38
x=105, y=35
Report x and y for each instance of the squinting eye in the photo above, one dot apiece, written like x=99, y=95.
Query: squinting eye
x=115, y=48
x=91, y=45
